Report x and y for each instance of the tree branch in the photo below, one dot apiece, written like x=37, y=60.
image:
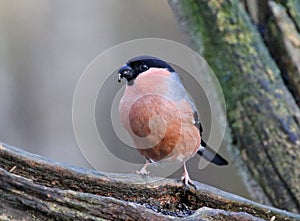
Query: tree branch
x=32, y=187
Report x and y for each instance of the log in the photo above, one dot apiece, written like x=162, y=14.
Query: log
x=35, y=188
x=263, y=117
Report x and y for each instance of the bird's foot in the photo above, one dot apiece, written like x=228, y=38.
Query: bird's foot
x=143, y=172
x=187, y=181
x=186, y=178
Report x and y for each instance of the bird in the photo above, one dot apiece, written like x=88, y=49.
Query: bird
x=160, y=116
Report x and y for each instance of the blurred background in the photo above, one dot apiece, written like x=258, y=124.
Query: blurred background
x=44, y=47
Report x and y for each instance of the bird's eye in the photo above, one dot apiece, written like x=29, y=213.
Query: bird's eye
x=144, y=67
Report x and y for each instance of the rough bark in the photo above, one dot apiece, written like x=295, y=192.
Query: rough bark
x=262, y=114
x=282, y=30
x=257, y=9
x=34, y=188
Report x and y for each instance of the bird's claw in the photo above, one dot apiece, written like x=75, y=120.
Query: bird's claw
x=143, y=172
x=186, y=180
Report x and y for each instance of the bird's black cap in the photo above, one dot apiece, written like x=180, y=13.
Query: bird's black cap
x=140, y=64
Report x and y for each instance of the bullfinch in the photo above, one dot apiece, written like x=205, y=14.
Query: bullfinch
x=160, y=116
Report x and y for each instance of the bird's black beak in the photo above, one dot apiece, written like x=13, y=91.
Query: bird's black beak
x=125, y=72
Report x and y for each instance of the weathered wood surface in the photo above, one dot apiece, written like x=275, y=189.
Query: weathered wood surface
x=34, y=188
x=263, y=116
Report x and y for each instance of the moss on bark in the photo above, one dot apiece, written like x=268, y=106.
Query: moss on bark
x=262, y=114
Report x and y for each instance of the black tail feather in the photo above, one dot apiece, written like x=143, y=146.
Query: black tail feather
x=210, y=155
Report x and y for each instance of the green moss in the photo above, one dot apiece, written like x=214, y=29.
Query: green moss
x=258, y=109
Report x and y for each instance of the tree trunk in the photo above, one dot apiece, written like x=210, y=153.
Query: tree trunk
x=263, y=116
x=282, y=30
x=34, y=188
